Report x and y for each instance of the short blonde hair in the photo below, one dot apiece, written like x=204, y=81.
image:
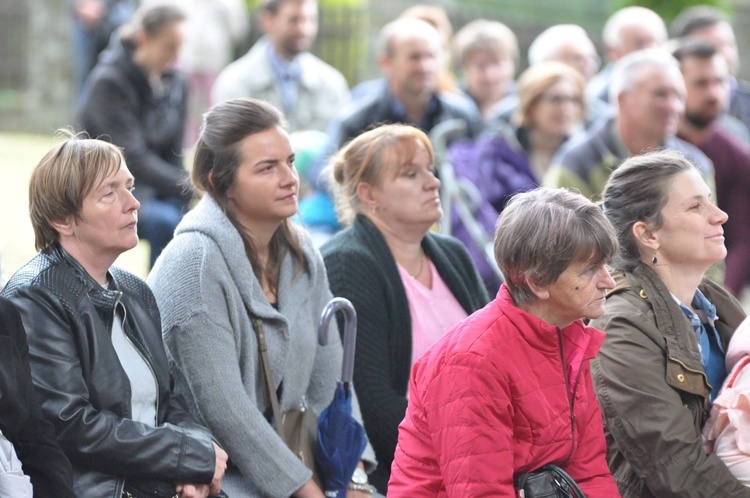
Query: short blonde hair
x=364, y=159
x=62, y=180
x=536, y=80
x=482, y=34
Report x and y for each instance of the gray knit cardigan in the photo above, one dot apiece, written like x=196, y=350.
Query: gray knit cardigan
x=206, y=289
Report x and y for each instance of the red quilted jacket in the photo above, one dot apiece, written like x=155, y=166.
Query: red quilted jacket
x=502, y=394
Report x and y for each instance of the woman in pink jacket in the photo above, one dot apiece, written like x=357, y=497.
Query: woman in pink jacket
x=727, y=431
x=509, y=389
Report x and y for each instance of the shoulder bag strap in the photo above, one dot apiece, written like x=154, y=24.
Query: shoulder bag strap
x=266, y=367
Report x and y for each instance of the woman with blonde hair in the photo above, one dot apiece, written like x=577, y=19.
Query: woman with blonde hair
x=417, y=283
x=551, y=108
x=486, y=52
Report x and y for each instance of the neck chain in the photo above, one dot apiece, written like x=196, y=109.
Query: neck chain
x=421, y=266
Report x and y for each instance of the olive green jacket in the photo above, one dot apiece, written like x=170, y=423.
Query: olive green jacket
x=654, y=393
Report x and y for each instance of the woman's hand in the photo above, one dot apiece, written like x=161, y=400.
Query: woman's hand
x=219, y=469
x=193, y=490
x=309, y=490
x=350, y=493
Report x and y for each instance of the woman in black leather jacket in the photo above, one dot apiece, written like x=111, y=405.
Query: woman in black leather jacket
x=21, y=421
x=94, y=335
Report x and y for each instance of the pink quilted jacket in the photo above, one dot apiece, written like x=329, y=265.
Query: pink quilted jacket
x=501, y=394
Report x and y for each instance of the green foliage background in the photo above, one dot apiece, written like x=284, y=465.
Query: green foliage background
x=669, y=9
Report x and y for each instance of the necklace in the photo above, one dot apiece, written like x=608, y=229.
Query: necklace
x=421, y=266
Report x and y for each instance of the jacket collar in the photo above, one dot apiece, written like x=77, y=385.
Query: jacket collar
x=545, y=337
x=669, y=318
x=99, y=295
x=209, y=220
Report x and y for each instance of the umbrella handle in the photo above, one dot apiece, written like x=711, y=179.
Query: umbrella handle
x=350, y=333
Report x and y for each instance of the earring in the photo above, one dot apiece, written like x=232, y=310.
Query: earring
x=653, y=260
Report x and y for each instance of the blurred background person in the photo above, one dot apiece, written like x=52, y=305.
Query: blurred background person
x=711, y=24
x=94, y=334
x=486, y=53
x=94, y=21
x=437, y=17
x=649, y=91
x=627, y=30
x=215, y=28
x=505, y=160
x=550, y=109
x=707, y=83
x=508, y=389
x=235, y=259
x=419, y=283
x=280, y=69
x=409, y=56
x=662, y=361
x=138, y=101
x=22, y=425
x=569, y=44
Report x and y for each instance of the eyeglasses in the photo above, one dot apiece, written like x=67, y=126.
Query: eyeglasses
x=561, y=99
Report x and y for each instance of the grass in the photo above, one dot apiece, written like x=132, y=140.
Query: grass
x=18, y=156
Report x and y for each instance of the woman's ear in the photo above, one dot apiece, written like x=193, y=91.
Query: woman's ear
x=366, y=194
x=64, y=227
x=645, y=236
x=540, y=291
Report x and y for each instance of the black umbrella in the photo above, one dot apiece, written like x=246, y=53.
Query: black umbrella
x=341, y=439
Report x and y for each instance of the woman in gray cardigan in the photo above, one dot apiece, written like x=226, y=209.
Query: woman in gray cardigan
x=237, y=256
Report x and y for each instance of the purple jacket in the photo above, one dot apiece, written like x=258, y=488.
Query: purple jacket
x=498, y=169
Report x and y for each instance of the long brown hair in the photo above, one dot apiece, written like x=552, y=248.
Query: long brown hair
x=217, y=158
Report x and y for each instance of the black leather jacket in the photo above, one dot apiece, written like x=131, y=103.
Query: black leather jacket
x=84, y=390
x=21, y=420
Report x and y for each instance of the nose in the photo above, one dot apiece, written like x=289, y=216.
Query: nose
x=131, y=203
x=677, y=104
x=605, y=279
x=290, y=177
x=433, y=182
x=718, y=217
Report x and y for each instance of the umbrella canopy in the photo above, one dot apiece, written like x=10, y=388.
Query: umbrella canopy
x=341, y=439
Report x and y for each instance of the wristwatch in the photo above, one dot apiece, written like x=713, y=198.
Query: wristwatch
x=359, y=482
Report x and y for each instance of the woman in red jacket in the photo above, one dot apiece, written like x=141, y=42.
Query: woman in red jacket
x=509, y=389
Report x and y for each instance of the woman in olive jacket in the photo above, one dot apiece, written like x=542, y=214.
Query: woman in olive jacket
x=662, y=362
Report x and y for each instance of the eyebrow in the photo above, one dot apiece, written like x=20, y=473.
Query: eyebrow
x=264, y=162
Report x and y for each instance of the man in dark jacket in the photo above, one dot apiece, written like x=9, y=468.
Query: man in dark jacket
x=712, y=25
x=94, y=334
x=408, y=55
x=21, y=421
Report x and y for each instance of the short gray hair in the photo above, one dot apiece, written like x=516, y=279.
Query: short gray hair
x=404, y=26
x=546, y=46
x=627, y=71
x=634, y=15
x=637, y=191
x=541, y=232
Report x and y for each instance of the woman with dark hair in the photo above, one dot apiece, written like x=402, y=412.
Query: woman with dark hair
x=21, y=420
x=409, y=285
x=136, y=99
x=508, y=390
x=662, y=362
x=235, y=259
